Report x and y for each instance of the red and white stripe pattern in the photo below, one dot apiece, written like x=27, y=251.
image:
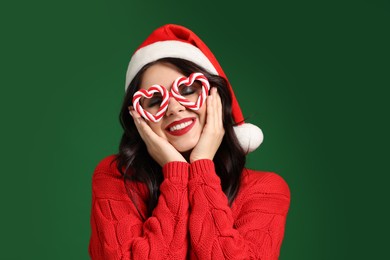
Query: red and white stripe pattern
x=175, y=93
x=149, y=94
x=189, y=81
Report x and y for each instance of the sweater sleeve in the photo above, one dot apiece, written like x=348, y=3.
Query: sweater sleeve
x=254, y=230
x=119, y=232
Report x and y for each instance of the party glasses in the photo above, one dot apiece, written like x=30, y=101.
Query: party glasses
x=190, y=91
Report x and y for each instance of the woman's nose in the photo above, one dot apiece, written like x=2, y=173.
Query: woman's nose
x=174, y=107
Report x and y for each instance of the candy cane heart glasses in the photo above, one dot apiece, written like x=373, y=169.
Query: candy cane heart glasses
x=191, y=92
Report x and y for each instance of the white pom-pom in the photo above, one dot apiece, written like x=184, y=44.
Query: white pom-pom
x=249, y=136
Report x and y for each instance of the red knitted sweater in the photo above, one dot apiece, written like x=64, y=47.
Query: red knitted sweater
x=192, y=219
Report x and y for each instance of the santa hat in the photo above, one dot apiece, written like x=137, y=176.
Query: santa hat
x=176, y=41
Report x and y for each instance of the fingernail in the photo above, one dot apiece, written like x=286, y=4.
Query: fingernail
x=131, y=113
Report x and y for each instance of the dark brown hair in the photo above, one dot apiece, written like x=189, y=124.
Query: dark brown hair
x=135, y=163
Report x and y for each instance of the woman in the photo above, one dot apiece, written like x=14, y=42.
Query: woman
x=178, y=188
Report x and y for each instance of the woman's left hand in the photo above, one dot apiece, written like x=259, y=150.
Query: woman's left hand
x=213, y=131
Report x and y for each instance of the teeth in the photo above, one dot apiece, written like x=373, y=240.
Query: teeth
x=180, y=126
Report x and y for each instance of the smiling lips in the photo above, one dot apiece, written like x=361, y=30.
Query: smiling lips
x=180, y=127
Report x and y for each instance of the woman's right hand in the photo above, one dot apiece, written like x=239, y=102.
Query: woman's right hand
x=160, y=149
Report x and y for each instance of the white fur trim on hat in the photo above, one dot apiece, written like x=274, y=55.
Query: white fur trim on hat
x=163, y=49
x=249, y=136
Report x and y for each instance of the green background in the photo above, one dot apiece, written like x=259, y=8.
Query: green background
x=312, y=74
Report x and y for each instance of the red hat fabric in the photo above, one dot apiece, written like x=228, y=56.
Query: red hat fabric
x=179, y=42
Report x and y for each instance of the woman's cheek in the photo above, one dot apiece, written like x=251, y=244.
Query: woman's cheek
x=157, y=129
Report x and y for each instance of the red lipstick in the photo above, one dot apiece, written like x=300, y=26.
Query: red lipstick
x=181, y=126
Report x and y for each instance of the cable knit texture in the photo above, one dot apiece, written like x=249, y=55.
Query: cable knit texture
x=192, y=219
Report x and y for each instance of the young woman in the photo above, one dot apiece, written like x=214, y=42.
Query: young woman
x=178, y=188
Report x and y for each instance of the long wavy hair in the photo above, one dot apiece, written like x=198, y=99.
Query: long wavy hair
x=135, y=163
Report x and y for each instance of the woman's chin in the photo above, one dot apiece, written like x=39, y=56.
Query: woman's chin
x=183, y=147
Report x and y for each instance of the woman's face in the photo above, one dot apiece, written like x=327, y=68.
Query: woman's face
x=180, y=126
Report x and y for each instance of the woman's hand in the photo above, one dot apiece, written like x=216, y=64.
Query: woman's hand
x=213, y=131
x=160, y=149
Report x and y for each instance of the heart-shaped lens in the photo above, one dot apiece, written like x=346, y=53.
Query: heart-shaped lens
x=151, y=103
x=191, y=92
